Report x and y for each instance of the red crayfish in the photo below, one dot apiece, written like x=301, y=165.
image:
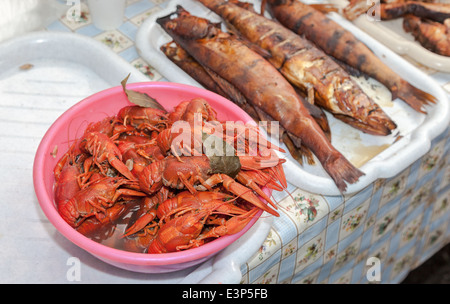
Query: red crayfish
x=95, y=199
x=186, y=229
x=180, y=201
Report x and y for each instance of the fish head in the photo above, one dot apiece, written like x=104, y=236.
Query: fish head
x=187, y=26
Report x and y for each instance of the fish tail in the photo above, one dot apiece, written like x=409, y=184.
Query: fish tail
x=413, y=96
x=341, y=171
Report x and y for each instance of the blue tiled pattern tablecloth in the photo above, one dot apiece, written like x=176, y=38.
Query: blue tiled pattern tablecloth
x=401, y=221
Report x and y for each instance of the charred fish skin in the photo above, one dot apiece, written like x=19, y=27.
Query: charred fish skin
x=260, y=83
x=433, y=36
x=336, y=41
x=305, y=66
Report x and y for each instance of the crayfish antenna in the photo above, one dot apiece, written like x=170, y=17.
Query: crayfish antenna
x=278, y=173
x=232, y=226
x=247, y=181
x=239, y=190
x=264, y=179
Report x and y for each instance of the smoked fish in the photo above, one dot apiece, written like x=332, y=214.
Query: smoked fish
x=336, y=41
x=261, y=84
x=304, y=65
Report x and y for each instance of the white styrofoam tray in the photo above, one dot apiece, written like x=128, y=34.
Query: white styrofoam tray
x=66, y=68
x=377, y=156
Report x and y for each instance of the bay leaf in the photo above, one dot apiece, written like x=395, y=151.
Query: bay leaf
x=140, y=99
x=222, y=158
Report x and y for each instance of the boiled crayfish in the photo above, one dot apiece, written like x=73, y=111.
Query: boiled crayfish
x=132, y=169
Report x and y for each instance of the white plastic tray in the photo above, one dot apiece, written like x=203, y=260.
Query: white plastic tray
x=377, y=157
x=66, y=68
x=392, y=35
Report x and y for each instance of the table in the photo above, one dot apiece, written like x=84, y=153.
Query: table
x=377, y=235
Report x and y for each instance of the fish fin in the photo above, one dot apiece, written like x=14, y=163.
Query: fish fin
x=297, y=150
x=293, y=150
x=250, y=110
x=294, y=144
x=247, y=5
x=253, y=46
x=413, y=96
x=307, y=155
x=311, y=98
x=316, y=112
x=355, y=9
x=263, y=7
x=325, y=8
x=381, y=126
x=296, y=140
x=341, y=171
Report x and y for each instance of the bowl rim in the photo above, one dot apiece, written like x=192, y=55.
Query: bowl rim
x=46, y=202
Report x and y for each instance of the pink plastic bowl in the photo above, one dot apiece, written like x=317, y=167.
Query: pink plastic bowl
x=72, y=124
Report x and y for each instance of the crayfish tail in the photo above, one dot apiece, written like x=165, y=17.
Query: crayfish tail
x=139, y=224
x=123, y=169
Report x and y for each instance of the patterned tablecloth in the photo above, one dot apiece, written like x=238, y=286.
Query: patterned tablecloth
x=377, y=235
